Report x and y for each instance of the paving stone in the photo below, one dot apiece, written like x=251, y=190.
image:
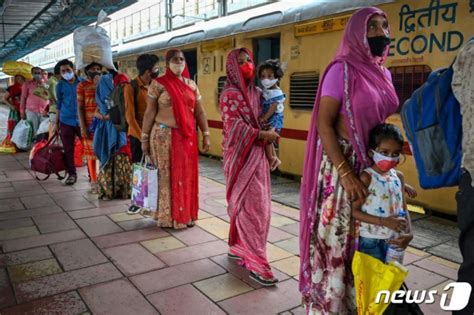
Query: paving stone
x=28, y=213
x=54, y=222
x=138, y=224
x=449, y=250
x=222, y=287
x=25, y=256
x=215, y=226
x=410, y=258
x=78, y=254
x=15, y=223
x=276, y=235
x=78, y=214
x=419, y=279
x=7, y=298
x=209, y=205
x=42, y=240
x=290, y=266
x=33, y=270
x=116, y=297
x=291, y=228
x=11, y=204
x=195, y=252
x=37, y=201
x=283, y=296
x=6, y=190
x=241, y=273
x=204, y=215
x=276, y=253
x=299, y=311
x=279, y=220
x=129, y=237
x=193, y=236
x=291, y=245
x=181, y=300
x=18, y=233
x=58, y=189
x=27, y=185
x=63, y=282
x=226, y=218
x=162, y=244
x=96, y=226
x=20, y=194
x=69, y=194
x=440, y=266
x=434, y=308
x=65, y=304
x=74, y=203
x=123, y=216
x=133, y=259
x=170, y=277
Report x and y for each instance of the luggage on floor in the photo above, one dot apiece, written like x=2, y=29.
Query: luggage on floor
x=22, y=135
x=145, y=186
x=47, y=157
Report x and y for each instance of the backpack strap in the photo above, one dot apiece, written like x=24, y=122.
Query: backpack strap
x=136, y=89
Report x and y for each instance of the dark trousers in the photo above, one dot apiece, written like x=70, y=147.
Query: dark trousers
x=465, y=200
x=68, y=137
x=136, y=148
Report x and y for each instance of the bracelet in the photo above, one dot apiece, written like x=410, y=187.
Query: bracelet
x=346, y=173
x=206, y=133
x=340, y=165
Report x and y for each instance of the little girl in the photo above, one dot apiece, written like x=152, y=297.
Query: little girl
x=379, y=214
x=270, y=72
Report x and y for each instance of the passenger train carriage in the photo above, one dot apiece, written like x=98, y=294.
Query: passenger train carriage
x=426, y=35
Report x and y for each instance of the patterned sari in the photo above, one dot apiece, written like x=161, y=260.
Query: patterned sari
x=86, y=98
x=248, y=187
x=6, y=146
x=326, y=234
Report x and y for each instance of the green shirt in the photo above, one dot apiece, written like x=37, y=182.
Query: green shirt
x=52, y=83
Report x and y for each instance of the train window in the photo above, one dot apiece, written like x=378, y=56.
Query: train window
x=220, y=87
x=407, y=79
x=303, y=89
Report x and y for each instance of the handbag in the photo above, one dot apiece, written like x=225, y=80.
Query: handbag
x=145, y=186
x=403, y=308
x=48, y=157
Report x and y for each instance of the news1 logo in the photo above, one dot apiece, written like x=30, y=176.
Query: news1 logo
x=459, y=297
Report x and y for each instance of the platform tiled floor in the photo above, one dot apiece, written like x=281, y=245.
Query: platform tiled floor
x=64, y=252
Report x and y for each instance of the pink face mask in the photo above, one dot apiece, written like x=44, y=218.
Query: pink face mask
x=385, y=163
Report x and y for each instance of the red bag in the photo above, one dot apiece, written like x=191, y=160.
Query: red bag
x=48, y=158
x=78, y=153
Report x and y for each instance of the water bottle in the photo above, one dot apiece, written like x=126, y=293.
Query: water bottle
x=395, y=253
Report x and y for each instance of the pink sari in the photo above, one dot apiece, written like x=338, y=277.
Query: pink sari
x=246, y=170
x=369, y=98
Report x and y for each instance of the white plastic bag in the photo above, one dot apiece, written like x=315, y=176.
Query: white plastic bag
x=145, y=186
x=92, y=44
x=44, y=126
x=23, y=134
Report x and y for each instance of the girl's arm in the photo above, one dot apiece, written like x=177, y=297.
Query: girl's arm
x=406, y=237
x=392, y=222
x=270, y=112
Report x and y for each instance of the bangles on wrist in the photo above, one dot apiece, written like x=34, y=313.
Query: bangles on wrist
x=346, y=173
x=338, y=168
x=206, y=133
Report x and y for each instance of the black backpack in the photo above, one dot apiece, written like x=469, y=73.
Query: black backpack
x=116, y=105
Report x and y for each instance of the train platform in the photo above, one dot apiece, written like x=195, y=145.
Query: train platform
x=65, y=252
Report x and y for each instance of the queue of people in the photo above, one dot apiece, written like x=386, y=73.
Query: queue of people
x=351, y=194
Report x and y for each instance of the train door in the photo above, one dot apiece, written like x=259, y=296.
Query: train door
x=266, y=48
x=191, y=60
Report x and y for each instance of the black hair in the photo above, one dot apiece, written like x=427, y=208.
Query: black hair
x=64, y=62
x=93, y=64
x=146, y=62
x=384, y=132
x=36, y=68
x=272, y=64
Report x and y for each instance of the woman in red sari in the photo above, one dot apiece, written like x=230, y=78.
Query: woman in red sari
x=169, y=137
x=12, y=99
x=246, y=167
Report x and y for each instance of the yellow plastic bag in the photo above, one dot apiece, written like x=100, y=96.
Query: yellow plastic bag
x=372, y=276
x=12, y=67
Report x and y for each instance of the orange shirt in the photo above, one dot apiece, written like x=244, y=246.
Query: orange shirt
x=135, y=111
x=86, y=99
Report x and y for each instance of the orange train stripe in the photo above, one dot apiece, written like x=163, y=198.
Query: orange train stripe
x=295, y=134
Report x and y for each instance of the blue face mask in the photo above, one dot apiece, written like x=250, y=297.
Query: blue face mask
x=37, y=77
x=68, y=76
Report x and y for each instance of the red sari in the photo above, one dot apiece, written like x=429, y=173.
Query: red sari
x=6, y=146
x=247, y=171
x=184, y=150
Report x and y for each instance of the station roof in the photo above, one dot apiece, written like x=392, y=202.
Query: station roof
x=28, y=25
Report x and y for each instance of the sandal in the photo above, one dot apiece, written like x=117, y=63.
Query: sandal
x=232, y=256
x=71, y=180
x=133, y=209
x=266, y=282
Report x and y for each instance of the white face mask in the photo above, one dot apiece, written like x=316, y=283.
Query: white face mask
x=68, y=76
x=267, y=83
x=177, y=68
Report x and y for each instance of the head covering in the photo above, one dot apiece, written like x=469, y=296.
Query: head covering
x=369, y=98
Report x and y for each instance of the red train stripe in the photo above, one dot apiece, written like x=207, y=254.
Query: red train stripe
x=295, y=134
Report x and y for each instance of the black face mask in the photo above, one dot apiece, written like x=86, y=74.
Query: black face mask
x=92, y=74
x=377, y=44
x=154, y=75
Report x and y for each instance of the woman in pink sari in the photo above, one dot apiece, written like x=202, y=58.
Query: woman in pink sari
x=246, y=167
x=356, y=93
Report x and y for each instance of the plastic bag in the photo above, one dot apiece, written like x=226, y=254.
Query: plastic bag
x=23, y=135
x=92, y=44
x=145, y=186
x=372, y=276
x=44, y=126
